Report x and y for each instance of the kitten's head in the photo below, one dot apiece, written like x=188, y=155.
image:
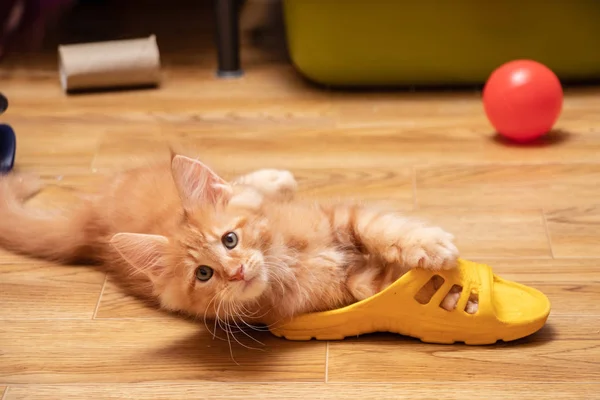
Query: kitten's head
x=215, y=262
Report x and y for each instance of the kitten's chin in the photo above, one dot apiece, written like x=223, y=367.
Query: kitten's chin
x=249, y=290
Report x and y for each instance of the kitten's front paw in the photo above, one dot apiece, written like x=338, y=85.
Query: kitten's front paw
x=430, y=248
x=426, y=247
x=272, y=182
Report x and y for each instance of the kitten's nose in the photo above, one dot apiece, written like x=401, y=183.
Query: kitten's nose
x=239, y=274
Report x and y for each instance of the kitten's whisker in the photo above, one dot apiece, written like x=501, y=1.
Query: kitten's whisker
x=252, y=327
x=230, y=348
x=272, y=324
x=218, y=318
x=277, y=279
x=247, y=313
x=241, y=330
x=283, y=265
x=231, y=331
x=243, y=315
x=263, y=327
x=223, y=326
x=214, y=333
x=253, y=315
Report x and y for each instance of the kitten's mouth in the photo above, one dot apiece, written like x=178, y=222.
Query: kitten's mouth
x=250, y=289
x=248, y=282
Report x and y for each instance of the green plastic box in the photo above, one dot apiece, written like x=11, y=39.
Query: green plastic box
x=439, y=42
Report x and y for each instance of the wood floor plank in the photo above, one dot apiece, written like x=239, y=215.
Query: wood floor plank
x=115, y=149
x=381, y=185
x=379, y=147
x=79, y=182
x=114, y=303
x=458, y=110
x=2, y=392
x=493, y=232
x=7, y=257
x=216, y=391
x=43, y=290
x=562, y=271
x=217, y=101
x=568, y=327
x=55, y=148
x=575, y=231
x=127, y=351
x=548, y=185
x=451, y=128
x=377, y=360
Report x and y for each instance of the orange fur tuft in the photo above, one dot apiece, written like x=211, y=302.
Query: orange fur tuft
x=61, y=237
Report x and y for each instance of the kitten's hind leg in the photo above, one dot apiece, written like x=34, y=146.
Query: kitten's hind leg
x=274, y=183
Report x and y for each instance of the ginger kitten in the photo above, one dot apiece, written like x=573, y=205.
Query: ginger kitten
x=182, y=236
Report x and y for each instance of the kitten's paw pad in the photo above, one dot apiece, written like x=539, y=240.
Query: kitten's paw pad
x=451, y=301
x=430, y=248
x=273, y=182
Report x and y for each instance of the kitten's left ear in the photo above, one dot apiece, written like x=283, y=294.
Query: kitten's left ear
x=143, y=252
x=197, y=183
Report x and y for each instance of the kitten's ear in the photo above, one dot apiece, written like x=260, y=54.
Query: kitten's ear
x=143, y=252
x=197, y=183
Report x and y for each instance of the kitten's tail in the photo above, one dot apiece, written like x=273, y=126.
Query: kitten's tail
x=52, y=235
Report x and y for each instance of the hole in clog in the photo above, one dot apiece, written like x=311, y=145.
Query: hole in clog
x=451, y=299
x=425, y=294
x=472, y=304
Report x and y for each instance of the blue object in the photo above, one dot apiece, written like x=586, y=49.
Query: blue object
x=8, y=148
x=3, y=103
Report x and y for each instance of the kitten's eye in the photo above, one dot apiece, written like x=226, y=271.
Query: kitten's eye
x=230, y=240
x=204, y=273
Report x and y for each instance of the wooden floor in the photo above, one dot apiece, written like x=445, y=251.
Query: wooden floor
x=532, y=212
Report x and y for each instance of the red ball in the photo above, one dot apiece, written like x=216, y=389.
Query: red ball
x=523, y=99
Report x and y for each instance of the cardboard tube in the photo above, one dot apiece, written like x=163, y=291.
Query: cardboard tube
x=112, y=64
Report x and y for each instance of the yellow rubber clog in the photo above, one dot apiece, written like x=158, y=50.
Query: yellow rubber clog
x=506, y=311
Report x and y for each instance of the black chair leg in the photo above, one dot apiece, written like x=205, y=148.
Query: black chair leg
x=228, y=39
